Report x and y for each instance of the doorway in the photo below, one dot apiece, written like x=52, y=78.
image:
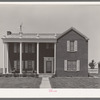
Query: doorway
x=48, y=64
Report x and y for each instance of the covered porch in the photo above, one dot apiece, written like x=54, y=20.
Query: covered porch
x=40, y=57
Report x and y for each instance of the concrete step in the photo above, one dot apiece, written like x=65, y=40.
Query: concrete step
x=46, y=75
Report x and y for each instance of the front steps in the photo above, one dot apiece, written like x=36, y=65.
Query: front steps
x=46, y=74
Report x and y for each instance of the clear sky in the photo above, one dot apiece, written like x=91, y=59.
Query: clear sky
x=53, y=19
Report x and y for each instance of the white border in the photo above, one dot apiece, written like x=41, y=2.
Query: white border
x=50, y=93
x=52, y=3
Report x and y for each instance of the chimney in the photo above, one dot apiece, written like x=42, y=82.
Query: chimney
x=9, y=33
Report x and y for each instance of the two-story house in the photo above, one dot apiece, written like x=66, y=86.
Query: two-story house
x=63, y=54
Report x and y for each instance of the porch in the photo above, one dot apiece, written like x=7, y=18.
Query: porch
x=29, y=57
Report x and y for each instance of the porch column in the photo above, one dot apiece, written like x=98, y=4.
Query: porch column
x=37, y=58
x=20, y=57
x=3, y=58
x=54, y=58
x=7, y=47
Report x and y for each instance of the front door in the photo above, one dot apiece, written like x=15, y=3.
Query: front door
x=48, y=64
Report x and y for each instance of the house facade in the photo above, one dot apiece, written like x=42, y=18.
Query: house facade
x=63, y=54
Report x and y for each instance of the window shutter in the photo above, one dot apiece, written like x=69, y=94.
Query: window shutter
x=78, y=65
x=65, y=65
x=22, y=64
x=68, y=45
x=75, y=45
x=33, y=48
x=26, y=64
x=23, y=48
x=33, y=65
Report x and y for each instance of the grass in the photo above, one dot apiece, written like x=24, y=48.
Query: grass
x=19, y=82
x=78, y=82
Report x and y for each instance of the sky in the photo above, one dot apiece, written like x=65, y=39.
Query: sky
x=53, y=19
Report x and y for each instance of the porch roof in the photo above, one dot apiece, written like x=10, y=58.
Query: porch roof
x=30, y=37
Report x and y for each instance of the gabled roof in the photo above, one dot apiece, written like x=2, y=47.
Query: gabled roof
x=72, y=28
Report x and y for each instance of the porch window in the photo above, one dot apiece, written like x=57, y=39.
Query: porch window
x=29, y=65
x=26, y=64
x=71, y=65
x=16, y=64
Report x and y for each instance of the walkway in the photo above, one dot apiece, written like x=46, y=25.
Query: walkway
x=45, y=83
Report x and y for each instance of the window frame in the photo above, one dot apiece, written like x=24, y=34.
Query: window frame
x=75, y=46
x=78, y=67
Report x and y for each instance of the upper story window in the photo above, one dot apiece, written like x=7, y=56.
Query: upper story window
x=26, y=47
x=49, y=46
x=29, y=48
x=72, y=46
x=16, y=47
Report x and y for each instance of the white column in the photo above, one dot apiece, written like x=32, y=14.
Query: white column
x=3, y=58
x=20, y=57
x=7, y=47
x=54, y=58
x=37, y=58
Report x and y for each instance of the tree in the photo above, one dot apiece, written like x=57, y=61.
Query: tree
x=92, y=64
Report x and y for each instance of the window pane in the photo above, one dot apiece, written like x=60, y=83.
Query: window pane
x=26, y=64
x=71, y=65
x=29, y=64
x=47, y=46
x=15, y=64
x=72, y=46
x=15, y=47
x=33, y=48
x=30, y=48
x=26, y=47
x=33, y=65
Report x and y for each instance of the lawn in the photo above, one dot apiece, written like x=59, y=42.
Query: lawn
x=19, y=82
x=72, y=82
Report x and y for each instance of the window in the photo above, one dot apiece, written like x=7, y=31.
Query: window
x=72, y=46
x=26, y=64
x=26, y=47
x=47, y=46
x=29, y=48
x=15, y=47
x=29, y=65
x=32, y=64
x=71, y=65
x=16, y=64
x=33, y=48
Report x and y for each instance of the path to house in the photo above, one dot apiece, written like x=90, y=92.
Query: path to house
x=45, y=83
